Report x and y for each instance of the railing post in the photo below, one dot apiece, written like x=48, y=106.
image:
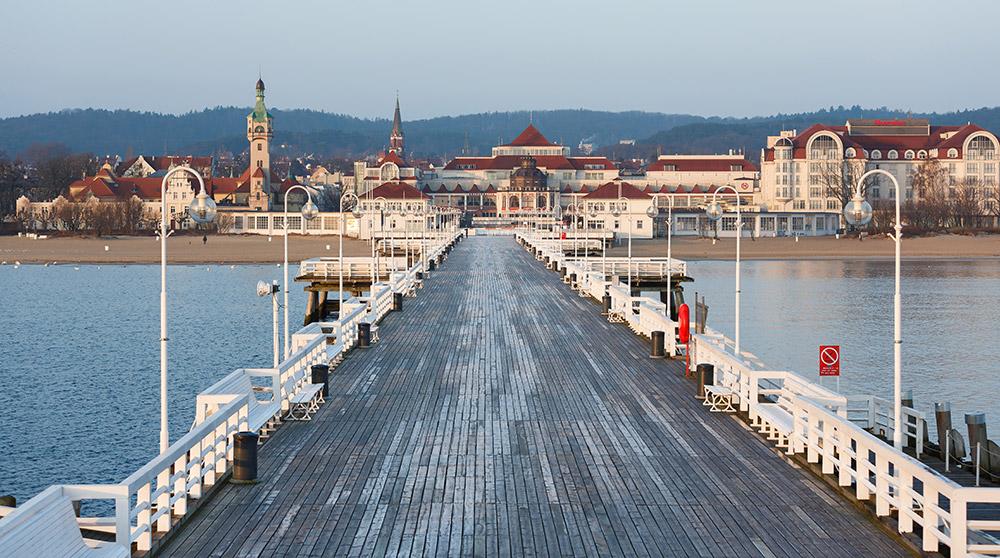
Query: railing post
x=196, y=468
x=862, y=490
x=828, y=448
x=812, y=456
x=881, y=485
x=123, y=521
x=163, y=500
x=180, y=485
x=144, y=502
x=843, y=451
x=930, y=538
x=959, y=527
x=905, y=500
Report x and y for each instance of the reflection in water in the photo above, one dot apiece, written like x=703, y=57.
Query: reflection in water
x=79, y=363
x=950, y=339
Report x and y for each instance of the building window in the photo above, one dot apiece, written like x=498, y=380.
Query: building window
x=260, y=147
x=981, y=148
x=823, y=147
x=972, y=168
x=989, y=168
x=909, y=154
x=876, y=154
x=815, y=204
x=767, y=223
x=952, y=153
x=798, y=223
x=815, y=192
x=638, y=224
x=893, y=154
x=921, y=154
x=850, y=153
x=729, y=223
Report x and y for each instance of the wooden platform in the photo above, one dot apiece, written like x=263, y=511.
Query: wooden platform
x=501, y=415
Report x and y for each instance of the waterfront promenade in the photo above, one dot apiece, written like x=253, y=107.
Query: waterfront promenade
x=502, y=415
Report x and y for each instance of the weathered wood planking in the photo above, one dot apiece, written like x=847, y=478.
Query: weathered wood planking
x=501, y=415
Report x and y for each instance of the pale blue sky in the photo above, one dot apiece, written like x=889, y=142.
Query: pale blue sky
x=732, y=58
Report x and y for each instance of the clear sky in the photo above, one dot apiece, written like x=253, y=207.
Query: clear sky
x=731, y=58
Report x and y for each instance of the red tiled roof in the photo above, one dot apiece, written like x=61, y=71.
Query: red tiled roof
x=397, y=191
x=617, y=189
x=884, y=143
x=391, y=157
x=530, y=137
x=490, y=190
x=258, y=173
x=707, y=164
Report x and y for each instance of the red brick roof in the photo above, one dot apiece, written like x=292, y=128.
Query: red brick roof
x=706, y=164
x=397, y=191
x=391, y=157
x=617, y=189
x=530, y=137
x=884, y=143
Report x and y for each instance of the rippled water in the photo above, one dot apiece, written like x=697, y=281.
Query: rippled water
x=951, y=340
x=79, y=362
x=79, y=359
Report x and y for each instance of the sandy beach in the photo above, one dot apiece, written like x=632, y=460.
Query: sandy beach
x=943, y=246
x=222, y=249
x=258, y=249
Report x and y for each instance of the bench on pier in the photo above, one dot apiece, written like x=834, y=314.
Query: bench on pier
x=719, y=399
x=263, y=416
x=306, y=396
x=776, y=423
x=47, y=526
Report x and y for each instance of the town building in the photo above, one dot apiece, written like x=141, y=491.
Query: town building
x=390, y=166
x=805, y=171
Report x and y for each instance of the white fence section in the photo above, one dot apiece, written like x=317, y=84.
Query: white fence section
x=803, y=417
x=248, y=399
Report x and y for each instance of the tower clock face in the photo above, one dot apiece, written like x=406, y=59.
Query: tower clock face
x=259, y=129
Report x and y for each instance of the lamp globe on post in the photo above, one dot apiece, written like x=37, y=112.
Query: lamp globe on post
x=203, y=209
x=309, y=211
x=858, y=212
x=714, y=211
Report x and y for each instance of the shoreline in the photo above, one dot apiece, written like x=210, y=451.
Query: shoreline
x=259, y=250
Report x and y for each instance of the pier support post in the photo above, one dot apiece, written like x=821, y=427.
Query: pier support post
x=245, y=458
x=942, y=417
x=321, y=375
x=656, y=339
x=706, y=376
x=364, y=335
x=397, y=302
x=976, y=422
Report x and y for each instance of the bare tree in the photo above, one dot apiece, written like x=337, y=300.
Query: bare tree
x=68, y=215
x=967, y=206
x=839, y=179
x=932, y=210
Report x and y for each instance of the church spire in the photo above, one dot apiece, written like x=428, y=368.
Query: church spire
x=396, y=136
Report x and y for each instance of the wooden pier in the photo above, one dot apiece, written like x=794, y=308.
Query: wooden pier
x=501, y=415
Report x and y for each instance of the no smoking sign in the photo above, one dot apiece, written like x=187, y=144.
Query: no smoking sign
x=829, y=360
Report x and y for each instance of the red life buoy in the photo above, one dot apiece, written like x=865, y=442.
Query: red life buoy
x=563, y=235
x=684, y=322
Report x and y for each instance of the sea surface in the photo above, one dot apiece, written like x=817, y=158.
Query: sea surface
x=79, y=356
x=950, y=326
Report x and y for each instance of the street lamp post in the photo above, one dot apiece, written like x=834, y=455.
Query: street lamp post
x=858, y=212
x=653, y=212
x=202, y=210
x=271, y=289
x=356, y=211
x=617, y=212
x=309, y=212
x=714, y=212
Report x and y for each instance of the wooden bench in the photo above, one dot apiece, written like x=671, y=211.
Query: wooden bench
x=262, y=417
x=719, y=399
x=47, y=526
x=305, y=396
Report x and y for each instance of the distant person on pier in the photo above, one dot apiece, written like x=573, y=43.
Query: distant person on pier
x=204, y=239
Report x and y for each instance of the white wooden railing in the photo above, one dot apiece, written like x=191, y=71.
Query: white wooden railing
x=830, y=429
x=151, y=498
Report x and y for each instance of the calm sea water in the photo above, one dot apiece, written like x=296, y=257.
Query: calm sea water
x=79, y=364
x=951, y=339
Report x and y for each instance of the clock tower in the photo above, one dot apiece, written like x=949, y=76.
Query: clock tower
x=259, y=133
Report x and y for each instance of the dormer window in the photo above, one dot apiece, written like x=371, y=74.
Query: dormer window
x=735, y=167
x=893, y=154
x=921, y=154
x=952, y=153
x=876, y=154
x=850, y=153
x=909, y=154
x=670, y=168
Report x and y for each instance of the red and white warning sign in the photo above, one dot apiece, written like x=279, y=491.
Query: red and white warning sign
x=829, y=360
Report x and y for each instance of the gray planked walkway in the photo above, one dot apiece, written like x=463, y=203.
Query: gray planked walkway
x=501, y=415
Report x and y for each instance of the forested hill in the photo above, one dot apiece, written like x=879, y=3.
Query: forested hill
x=301, y=131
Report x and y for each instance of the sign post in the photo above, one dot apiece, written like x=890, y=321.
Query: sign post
x=829, y=362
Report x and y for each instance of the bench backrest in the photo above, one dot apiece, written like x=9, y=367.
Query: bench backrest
x=44, y=526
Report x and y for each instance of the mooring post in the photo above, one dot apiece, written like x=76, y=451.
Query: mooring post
x=976, y=422
x=942, y=417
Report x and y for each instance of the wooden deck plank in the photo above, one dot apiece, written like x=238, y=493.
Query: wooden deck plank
x=502, y=415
